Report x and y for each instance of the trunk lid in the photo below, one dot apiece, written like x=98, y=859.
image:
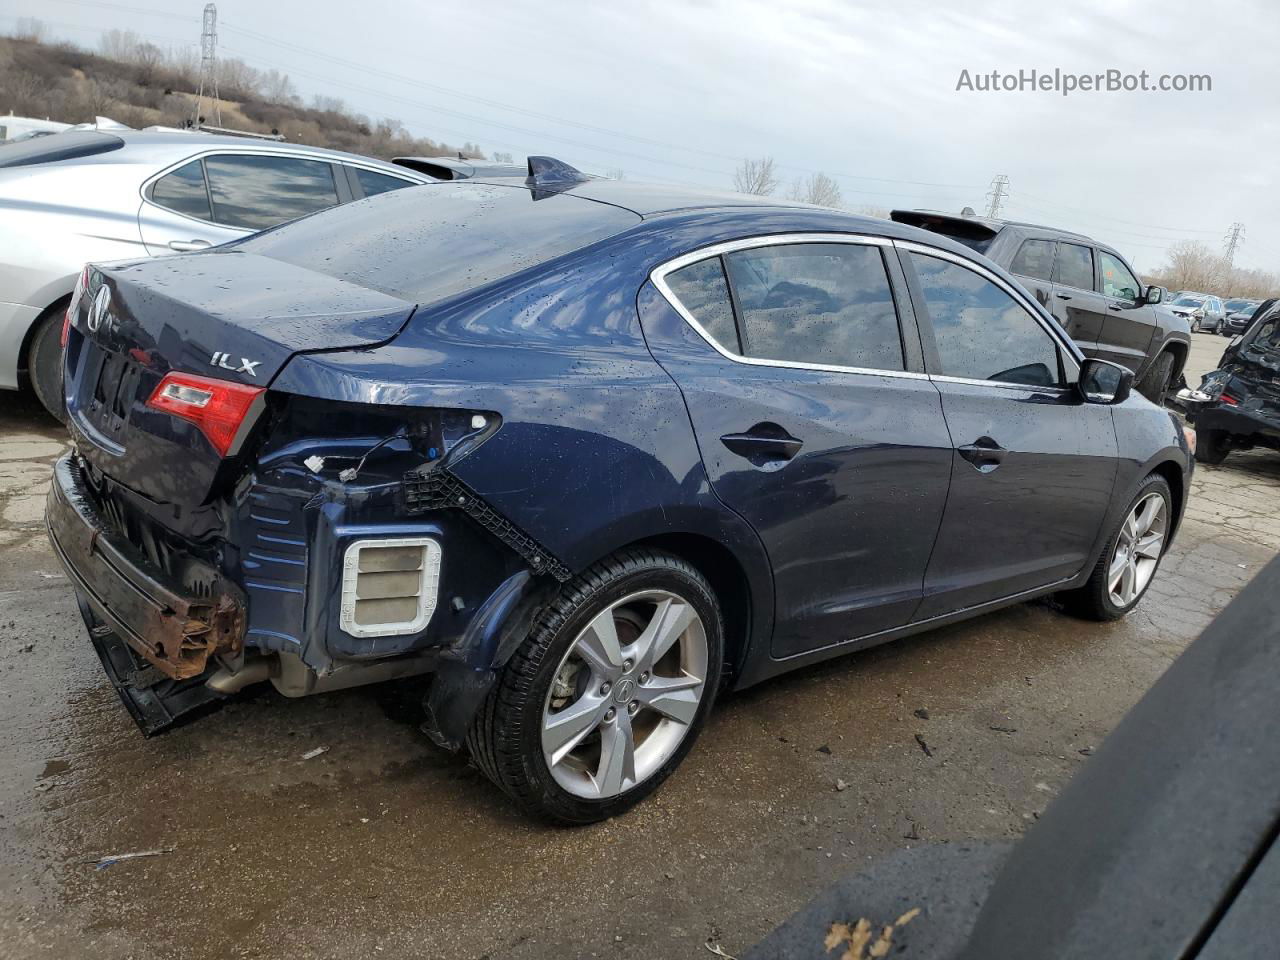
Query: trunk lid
x=227, y=315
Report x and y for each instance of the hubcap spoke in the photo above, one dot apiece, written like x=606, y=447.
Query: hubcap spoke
x=1149, y=546
x=598, y=645
x=673, y=697
x=564, y=729
x=1118, y=564
x=617, y=768
x=670, y=620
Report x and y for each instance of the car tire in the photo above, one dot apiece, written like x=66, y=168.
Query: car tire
x=1106, y=596
x=1155, y=383
x=1212, y=446
x=558, y=770
x=1195, y=326
x=44, y=361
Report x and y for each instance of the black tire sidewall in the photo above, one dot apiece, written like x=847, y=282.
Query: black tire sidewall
x=44, y=364
x=1156, y=383
x=548, y=796
x=1210, y=447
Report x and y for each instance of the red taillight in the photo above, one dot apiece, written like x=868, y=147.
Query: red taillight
x=1229, y=400
x=81, y=285
x=217, y=407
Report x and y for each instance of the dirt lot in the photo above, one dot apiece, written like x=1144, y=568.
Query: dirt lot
x=384, y=846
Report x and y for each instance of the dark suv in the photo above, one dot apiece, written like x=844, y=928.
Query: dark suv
x=1088, y=287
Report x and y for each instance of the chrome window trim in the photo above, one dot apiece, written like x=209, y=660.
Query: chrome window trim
x=1071, y=362
x=659, y=273
x=409, y=176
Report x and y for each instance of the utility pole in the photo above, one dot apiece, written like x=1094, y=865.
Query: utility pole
x=1234, y=237
x=209, y=65
x=997, y=194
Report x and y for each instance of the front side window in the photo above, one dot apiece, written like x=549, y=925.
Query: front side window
x=375, y=183
x=1074, y=267
x=1117, y=280
x=256, y=192
x=183, y=191
x=981, y=332
x=823, y=303
x=702, y=290
x=1034, y=259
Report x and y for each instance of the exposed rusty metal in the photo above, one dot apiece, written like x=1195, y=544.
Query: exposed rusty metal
x=173, y=631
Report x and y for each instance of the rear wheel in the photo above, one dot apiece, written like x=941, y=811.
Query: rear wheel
x=44, y=362
x=1131, y=558
x=1212, y=446
x=1155, y=384
x=605, y=697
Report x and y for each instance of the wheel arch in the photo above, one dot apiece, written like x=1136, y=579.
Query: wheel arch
x=1172, y=474
x=24, y=351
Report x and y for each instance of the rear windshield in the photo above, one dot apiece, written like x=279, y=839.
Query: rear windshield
x=429, y=242
x=59, y=146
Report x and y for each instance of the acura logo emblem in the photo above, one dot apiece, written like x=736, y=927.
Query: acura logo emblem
x=99, y=310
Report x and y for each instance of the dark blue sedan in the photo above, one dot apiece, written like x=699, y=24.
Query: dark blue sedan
x=586, y=453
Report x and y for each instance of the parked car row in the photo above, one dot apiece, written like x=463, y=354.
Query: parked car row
x=585, y=453
x=1088, y=287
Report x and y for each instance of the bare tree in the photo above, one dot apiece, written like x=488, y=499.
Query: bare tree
x=120, y=45
x=756, y=176
x=818, y=189
x=278, y=88
x=1193, y=265
x=616, y=173
x=31, y=29
x=150, y=59
x=500, y=157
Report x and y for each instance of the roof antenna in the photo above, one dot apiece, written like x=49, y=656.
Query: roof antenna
x=968, y=212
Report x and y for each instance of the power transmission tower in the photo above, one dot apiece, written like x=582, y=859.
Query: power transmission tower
x=209, y=65
x=1234, y=237
x=997, y=194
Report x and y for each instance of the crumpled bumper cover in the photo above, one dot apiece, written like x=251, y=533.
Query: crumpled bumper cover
x=173, y=630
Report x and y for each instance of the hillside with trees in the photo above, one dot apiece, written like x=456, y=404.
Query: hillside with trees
x=139, y=84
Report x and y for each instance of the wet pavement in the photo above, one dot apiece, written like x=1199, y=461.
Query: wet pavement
x=384, y=846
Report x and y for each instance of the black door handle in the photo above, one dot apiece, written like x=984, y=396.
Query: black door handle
x=1064, y=296
x=984, y=453
x=764, y=444
x=1115, y=306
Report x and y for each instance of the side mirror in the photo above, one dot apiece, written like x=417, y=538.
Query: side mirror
x=1102, y=381
x=1154, y=295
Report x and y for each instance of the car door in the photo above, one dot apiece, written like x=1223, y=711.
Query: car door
x=1130, y=322
x=1034, y=467
x=815, y=420
x=1077, y=306
x=242, y=193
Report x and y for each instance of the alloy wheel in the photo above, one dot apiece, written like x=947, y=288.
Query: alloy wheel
x=1137, y=551
x=625, y=694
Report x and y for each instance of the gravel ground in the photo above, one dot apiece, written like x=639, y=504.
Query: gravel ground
x=384, y=846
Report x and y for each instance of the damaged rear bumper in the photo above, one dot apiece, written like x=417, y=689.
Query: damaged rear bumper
x=173, y=630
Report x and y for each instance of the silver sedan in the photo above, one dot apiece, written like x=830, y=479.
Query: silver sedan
x=87, y=195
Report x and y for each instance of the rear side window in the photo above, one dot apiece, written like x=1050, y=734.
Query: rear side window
x=256, y=192
x=981, y=332
x=702, y=289
x=1074, y=266
x=376, y=183
x=183, y=191
x=827, y=303
x=1034, y=259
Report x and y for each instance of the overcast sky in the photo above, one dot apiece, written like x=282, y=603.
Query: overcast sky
x=865, y=91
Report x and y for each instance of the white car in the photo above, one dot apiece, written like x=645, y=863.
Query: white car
x=81, y=196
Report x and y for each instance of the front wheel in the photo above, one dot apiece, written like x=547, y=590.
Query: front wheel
x=1155, y=385
x=605, y=697
x=1195, y=326
x=1131, y=558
